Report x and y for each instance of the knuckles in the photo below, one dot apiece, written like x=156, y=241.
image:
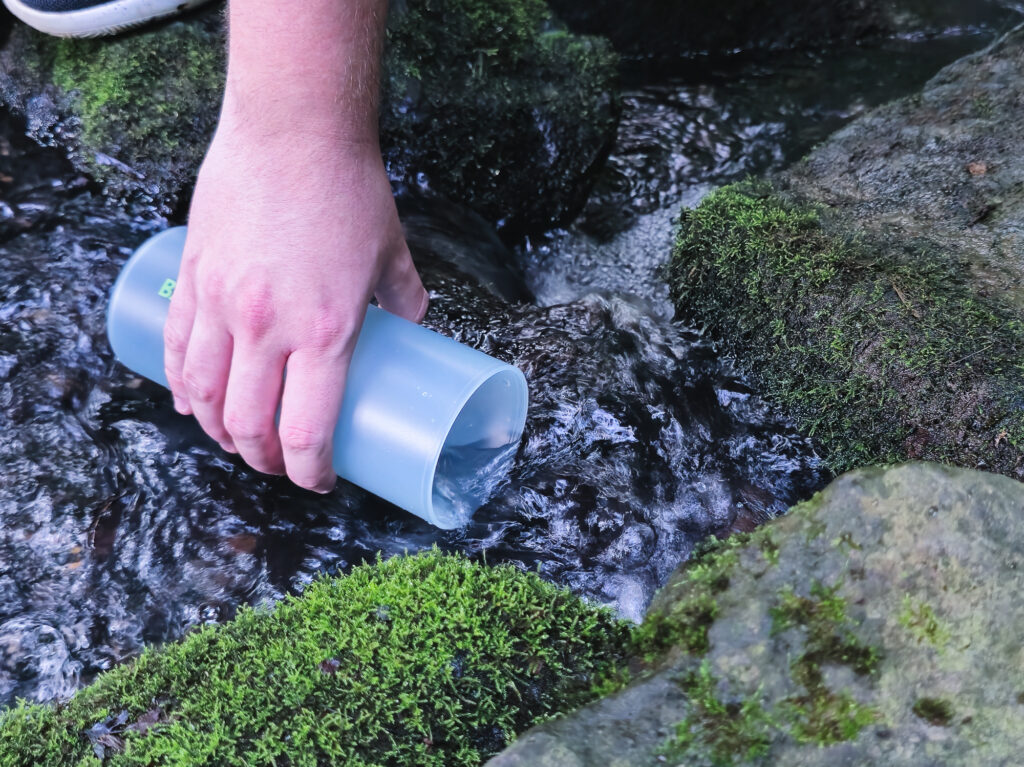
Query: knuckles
x=256, y=311
x=175, y=340
x=211, y=287
x=199, y=388
x=243, y=428
x=327, y=330
x=296, y=438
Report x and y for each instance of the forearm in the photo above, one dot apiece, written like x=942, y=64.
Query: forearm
x=309, y=67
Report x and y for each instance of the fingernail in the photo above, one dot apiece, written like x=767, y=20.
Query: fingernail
x=229, y=446
x=182, y=406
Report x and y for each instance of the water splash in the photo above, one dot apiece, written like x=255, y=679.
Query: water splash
x=467, y=477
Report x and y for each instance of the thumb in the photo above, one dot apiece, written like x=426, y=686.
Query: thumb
x=400, y=290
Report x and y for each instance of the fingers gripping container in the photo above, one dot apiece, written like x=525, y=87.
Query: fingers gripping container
x=420, y=410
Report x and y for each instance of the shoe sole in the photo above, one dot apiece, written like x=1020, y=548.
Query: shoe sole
x=105, y=19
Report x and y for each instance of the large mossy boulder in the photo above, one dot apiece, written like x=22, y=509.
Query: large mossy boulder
x=878, y=623
x=876, y=290
x=488, y=103
x=423, y=660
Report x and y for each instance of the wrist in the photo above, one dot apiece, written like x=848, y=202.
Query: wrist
x=311, y=114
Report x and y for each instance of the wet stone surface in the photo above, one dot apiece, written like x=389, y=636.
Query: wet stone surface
x=121, y=524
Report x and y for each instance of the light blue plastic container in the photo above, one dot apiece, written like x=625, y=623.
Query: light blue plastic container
x=425, y=422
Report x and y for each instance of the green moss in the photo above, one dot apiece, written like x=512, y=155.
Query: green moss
x=491, y=104
x=144, y=97
x=829, y=718
x=481, y=97
x=496, y=34
x=422, y=660
x=684, y=618
x=726, y=727
x=769, y=548
x=920, y=620
x=880, y=352
x=935, y=711
x=722, y=731
x=818, y=714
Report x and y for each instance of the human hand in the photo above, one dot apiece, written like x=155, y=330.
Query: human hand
x=289, y=237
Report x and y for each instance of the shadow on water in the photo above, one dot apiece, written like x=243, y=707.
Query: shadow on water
x=121, y=524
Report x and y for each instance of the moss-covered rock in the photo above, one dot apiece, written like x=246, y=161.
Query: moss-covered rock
x=489, y=103
x=423, y=660
x=881, y=353
x=878, y=623
x=875, y=291
x=494, y=104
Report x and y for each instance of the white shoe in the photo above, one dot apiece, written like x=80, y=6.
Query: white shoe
x=92, y=18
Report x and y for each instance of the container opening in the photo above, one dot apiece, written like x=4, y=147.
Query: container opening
x=479, y=450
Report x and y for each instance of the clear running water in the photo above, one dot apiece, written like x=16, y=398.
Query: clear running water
x=468, y=476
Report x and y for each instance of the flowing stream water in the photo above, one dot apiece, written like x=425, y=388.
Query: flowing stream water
x=122, y=525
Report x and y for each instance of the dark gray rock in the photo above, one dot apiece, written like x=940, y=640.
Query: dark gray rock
x=941, y=170
x=669, y=29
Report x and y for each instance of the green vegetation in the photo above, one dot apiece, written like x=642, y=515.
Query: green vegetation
x=769, y=548
x=820, y=715
x=724, y=732
x=496, y=34
x=881, y=352
x=143, y=98
x=483, y=97
x=935, y=711
x=725, y=726
x=920, y=620
x=490, y=103
x=682, y=615
x=421, y=660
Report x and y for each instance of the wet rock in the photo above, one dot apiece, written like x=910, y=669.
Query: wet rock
x=878, y=623
x=489, y=104
x=876, y=289
x=654, y=28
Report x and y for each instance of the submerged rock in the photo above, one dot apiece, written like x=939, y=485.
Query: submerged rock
x=490, y=104
x=878, y=623
x=876, y=290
